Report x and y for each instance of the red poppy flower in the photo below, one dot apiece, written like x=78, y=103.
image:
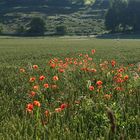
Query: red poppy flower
x=93, y=51
x=32, y=79
x=55, y=78
x=91, y=88
x=113, y=62
x=36, y=87
x=99, y=83
x=63, y=106
x=47, y=113
x=126, y=77
x=32, y=94
x=37, y=103
x=35, y=66
x=46, y=85
x=29, y=107
x=41, y=78
x=61, y=70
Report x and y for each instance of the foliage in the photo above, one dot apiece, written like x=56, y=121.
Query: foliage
x=61, y=30
x=1, y=29
x=37, y=26
x=21, y=30
x=123, y=15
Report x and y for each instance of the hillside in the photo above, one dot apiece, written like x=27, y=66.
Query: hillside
x=79, y=20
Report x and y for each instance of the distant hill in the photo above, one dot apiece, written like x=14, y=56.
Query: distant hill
x=79, y=20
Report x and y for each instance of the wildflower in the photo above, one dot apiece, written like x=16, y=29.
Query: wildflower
x=47, y=113
x=41, y=78
x=32, y=79
x=119, y=80
x=55, y=78
x=119, y=75
x=52, y=65
x=35, y=66
x=46, y=85
x=90, y=59
x=32, y=94
x=36, y=87
x=91, y=88
x=126, y=77
x=55, y=60
x=57, y=110
x=29, y=107
x=93, y=51
x=113, y=62
x=121, y=70
x=22, y=70
x=61, y=70
x=93, y=70
x=99, y=83
x=75, y=63
x=63, y=106
x=37, y=103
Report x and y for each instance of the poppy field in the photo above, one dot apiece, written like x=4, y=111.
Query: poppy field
x=69, y=88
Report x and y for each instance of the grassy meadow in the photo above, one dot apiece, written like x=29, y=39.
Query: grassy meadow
x=69, y=88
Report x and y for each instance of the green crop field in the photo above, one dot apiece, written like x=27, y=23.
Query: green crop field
x=60, y=89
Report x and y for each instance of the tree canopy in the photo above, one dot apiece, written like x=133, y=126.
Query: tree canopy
x=37, y=26
x=123, y=15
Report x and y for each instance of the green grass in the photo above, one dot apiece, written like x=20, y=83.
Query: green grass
x=85, y=121
x=22, y=50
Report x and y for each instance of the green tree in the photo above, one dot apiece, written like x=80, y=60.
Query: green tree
x=37, y=26
x=133, y=11
x=1, y=28
x=21, y=29
x=61, y=30
x=115, y=17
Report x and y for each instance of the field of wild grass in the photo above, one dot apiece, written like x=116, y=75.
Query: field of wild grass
x=69, y=88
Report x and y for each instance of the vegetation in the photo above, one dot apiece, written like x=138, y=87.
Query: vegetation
x=79, y=19
x=61, y=30
x=63, y=88
x=123, y=15
x=59, y=89
x=1, y=29
x=37, y=26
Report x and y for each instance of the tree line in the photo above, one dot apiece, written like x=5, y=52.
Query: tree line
x=123, y=15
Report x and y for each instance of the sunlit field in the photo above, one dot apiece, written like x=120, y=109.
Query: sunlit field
x=69, y=88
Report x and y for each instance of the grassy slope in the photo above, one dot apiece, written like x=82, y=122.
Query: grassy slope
x=79, y=20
